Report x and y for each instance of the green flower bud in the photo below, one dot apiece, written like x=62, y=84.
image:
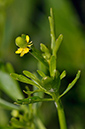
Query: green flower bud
x=20, y=42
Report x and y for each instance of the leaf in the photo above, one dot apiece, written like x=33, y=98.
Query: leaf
x=56, y=82
x=71, y=84
x=22, y=78
x=30, y=75
x=41, y=73
x=38, y=56
x=46, y=54
x=43, y=48
x=52, y=66
x=52, y=34
x=31, y=92
x=10, y=86
x=9, y=67
x=63, y=74
x=57, y=44
x=8, y=105
x=47, y=83
x=33, y=99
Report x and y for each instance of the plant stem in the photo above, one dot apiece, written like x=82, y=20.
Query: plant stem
x=61, y=114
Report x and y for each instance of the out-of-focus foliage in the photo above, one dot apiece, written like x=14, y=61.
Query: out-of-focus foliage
x=30, y=16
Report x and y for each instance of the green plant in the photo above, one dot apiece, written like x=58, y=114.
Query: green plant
x=48, y=83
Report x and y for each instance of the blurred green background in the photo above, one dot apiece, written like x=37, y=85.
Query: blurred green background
x=31, y=17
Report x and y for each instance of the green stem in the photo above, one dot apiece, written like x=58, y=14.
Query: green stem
x=61, y=114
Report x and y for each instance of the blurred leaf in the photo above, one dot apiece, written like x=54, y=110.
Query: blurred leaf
x=9, y=67
x=71, y=84
x=5, y=127
x=8, y=105
x=10, y=86
x=33, y=99
x=41, y=73
x=63, y=74
x=52, y=66
x=18, y=124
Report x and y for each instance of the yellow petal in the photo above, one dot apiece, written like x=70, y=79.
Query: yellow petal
x=19, y=50
x=27, y=38
x=24, y=51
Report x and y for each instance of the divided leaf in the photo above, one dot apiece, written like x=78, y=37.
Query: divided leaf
x=71, y=84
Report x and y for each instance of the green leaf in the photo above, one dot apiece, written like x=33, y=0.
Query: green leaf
x=52, y=34
x=8, y=105
x=43, y=48
x=63, y=74
x=56, y=82
x=47, y=83
x=30, y=75
x=52, y=66
x=71, y=84
x=33, y=99
x=38, y=56
x=22, y=78
x=10, y=86
x=57, y=44
x=31, y=92
x=41, y=73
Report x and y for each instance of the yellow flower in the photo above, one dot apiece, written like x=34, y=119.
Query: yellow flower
x=22, y=51
x=24, y=45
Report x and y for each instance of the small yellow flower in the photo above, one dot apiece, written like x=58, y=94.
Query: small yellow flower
x=23, y=44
